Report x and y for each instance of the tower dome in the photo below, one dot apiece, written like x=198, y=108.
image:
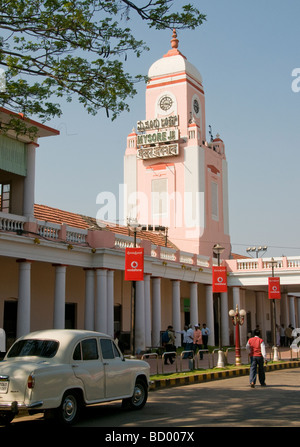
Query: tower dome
x=173, y=62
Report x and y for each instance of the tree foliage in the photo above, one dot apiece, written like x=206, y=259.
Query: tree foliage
x=78, y=48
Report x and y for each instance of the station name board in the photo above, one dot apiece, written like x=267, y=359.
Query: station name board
x=158, y=151
x=157, y=123
x=157, y=137
x=162, y=141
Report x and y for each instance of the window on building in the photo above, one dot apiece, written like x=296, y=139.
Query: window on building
x=5, y=197
x=159, y=198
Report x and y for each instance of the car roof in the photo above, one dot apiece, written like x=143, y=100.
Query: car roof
x=67, y=339
x=60, y=334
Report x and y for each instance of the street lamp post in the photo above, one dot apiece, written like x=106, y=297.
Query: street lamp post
x=218, y=249
x=257, y=249
x=133, y=225
x=275, y=349
x=238, y=318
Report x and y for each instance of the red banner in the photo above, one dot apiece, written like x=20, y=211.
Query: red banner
x=134, y=264
x=219, y=282
x=274, y=288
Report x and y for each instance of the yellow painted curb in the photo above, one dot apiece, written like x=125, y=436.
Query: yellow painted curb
x=224, y=374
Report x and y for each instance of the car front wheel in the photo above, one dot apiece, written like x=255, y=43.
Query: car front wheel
x=6, y=417
x=139, y=397
x=68, y=412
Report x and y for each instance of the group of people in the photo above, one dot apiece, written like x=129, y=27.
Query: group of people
x=284, y=336
x=193, y=340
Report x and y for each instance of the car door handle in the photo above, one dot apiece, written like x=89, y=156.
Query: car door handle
x=74, y=366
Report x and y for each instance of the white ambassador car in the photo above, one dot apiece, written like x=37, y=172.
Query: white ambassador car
x=59, y=371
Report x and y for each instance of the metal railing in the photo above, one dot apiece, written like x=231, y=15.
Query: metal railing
x=152, y=354
x=195, y=361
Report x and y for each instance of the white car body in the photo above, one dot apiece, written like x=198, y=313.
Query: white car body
x=86, y=364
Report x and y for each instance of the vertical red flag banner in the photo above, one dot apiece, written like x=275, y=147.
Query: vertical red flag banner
x=274, y=288
x=134, y=264
x=219, y=282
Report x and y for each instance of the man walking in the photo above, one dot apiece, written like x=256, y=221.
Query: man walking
x=257, y=349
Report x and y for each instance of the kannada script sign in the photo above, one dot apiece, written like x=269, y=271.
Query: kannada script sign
x=158, y=151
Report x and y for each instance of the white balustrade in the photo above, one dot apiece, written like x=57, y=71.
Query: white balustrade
x=245, y=264
x=11, y=222
x=123, y=241
x=76, y=235
x=48, y=230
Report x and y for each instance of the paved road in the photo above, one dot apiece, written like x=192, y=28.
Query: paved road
x=223, y=403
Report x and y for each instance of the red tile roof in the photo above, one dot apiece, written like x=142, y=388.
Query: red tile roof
x=55, y=215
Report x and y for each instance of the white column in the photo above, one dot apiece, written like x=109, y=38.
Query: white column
x=23, y=315
x=59, y=297
x=140, y=317
x=194, y=303
x=298, y=308
x=292, y=311
x=225, y=319
x=260, y=314
x=89, y=299
x=210, y=323
x=284, y=313
x=29, y=182
x=236, y=297
x=101, y=301
x=110, y=303
x=176, y=310
x=147, y=311
x=156, y=311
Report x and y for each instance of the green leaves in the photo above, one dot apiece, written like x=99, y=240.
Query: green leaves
x=58, y=48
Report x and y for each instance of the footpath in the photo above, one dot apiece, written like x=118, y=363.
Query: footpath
x=186, y=372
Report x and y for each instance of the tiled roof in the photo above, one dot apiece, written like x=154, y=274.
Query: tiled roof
x=55, y=215
x=237, y=256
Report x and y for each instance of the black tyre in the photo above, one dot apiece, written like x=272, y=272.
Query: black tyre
x=69, y=410
x=6, y=417
x=139, y=397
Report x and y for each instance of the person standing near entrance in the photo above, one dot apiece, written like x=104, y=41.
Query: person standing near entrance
x=197, y=342
x=256, y=347
x=205, y=333
x=189, y=342
x=170, y=345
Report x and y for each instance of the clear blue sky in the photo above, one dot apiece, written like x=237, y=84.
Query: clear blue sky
x=246, y=52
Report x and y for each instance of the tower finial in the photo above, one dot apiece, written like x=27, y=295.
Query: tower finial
x=174, y=44
x=174, y=41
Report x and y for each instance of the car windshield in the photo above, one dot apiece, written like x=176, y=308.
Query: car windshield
x=38, y=348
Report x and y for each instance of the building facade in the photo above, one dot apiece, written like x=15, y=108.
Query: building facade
x=62, y=270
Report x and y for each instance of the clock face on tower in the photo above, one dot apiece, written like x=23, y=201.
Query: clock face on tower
x=196, y=106
x=165, y=103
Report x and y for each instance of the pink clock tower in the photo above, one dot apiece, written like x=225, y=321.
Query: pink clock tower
x=173, y=177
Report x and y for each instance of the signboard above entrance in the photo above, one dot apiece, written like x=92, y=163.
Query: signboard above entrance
x=157, y=123
x=162, y=141
x=158, y=151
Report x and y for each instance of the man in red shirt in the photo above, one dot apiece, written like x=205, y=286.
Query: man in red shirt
x=257, y=349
